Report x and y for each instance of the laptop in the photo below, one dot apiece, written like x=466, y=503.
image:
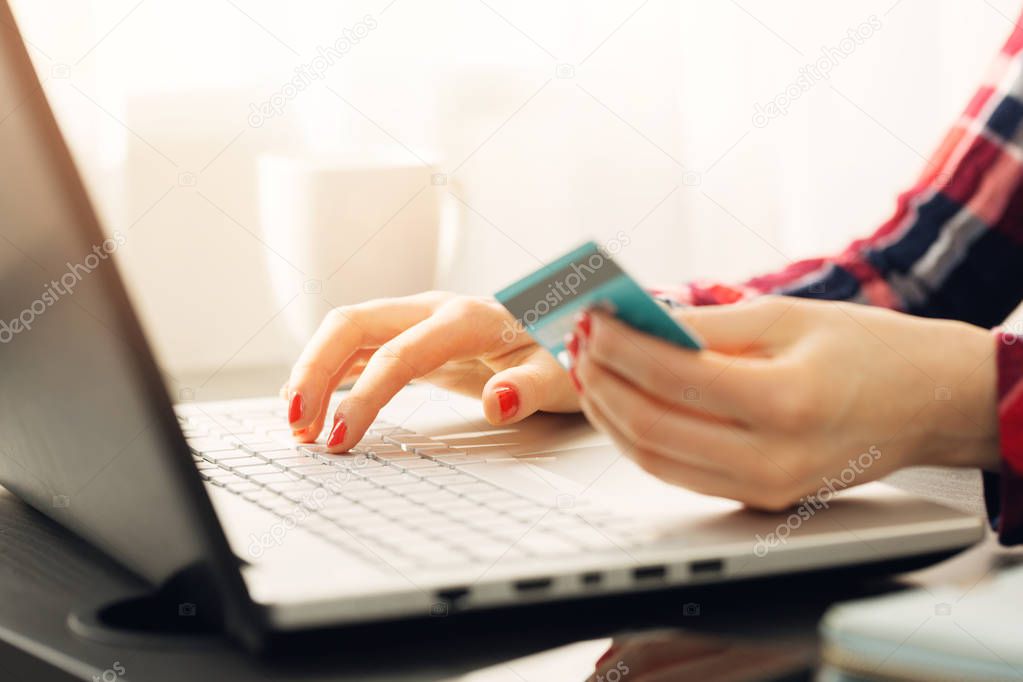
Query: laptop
x=436, y=512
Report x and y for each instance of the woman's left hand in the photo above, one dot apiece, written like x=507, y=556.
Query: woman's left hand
x=789, y=395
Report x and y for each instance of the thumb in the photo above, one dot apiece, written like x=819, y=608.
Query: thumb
x=536, y=383
x=737, y=328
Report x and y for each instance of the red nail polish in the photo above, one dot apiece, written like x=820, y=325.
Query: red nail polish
x=507, y=400
x=295, y=408
x=572, y=345
x=337, y=434
x=583, y=321
x=575, y=380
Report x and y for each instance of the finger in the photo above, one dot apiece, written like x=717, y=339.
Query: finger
x=671, y=471
x=704, y=380
x=348, y=371
x=740, y=328
x=416, y=352
x=342, y=333
x=536, y=382
x=709, y=443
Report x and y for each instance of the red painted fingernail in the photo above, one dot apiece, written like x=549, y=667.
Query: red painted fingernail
x=575, y=380
x=508, y=400
x=337, y=434
x=572, y=345
x=295, y=408
x=583, y=321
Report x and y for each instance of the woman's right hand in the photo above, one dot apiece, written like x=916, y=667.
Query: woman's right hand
x=467, y=344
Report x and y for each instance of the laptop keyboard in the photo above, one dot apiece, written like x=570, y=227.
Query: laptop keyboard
x=398, y=497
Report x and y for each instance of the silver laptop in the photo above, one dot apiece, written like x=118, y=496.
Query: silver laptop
x=434, y=513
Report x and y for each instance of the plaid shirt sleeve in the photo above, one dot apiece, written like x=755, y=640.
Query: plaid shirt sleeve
x=952, y=249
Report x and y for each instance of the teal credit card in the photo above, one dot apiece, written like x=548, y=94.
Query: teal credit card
x=545, y=303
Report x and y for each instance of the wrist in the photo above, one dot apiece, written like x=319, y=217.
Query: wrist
x=964, y=417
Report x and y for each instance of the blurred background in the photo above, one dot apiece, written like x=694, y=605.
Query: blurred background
x=267, y=160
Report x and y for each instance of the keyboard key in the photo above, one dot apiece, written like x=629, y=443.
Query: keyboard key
x=337, y=503
x=413, y=488
x=313, y=468
x=397, y=506
x=471, y=488
x=367, y=494
x=258, y=495
x=509, y=503
x=454, y=479
x=280, y=505
x=243, y=487
x=285, y=486
x=488, y=496
x=338, y=481
x=213, y=475
x=224, y=455
x=301, y=496
x=423, y=448
x=277, y=476
x=416, y=464
x=409, y=443
x=455, y=460
x=396, y=478
x=204, y=445
x=224, y=481
x=452, y=504
x=435, y=497
x=243, y=462
x=429, y=473
x=424, y=519
x=253, y=470
x=280, y=453
x=435, y=453
x=489, y=551
x=397, y=455
x=378, y=472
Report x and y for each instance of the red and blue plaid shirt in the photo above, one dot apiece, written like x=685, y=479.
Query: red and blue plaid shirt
x=953, y=249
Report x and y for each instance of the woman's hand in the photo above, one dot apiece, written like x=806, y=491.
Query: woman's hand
x=462, y=343
x=789, y=395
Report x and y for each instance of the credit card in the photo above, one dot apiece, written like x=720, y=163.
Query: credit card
x=545, y=303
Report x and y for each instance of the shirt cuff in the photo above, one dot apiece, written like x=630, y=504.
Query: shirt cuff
x=1003, y=492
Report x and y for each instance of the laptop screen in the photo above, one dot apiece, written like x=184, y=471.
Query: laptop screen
x=87, y=433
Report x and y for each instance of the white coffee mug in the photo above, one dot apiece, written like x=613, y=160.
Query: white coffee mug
x=339, y=233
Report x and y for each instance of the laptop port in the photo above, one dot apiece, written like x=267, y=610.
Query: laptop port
x=591, y=578
x=533, y=584
x=706, y=567
x=453, y=595
x=649, y=573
